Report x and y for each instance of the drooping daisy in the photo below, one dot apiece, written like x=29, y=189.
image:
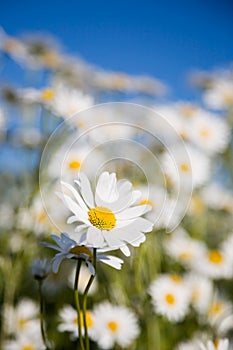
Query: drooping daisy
x=69, y=322
x=115, y=325
x=217, y=344
x=188, y=170
x=170, y=297
x=68, y=248
x=109, y=221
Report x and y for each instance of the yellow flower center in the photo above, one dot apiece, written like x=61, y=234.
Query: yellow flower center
x=42, y=217
x=74, y=164
x=188, y=110
x=215, y=308
x=184, y=167
x=176, y=278
x=186, y=255
x=215, y=257
x=80, y=249
x=228, y=98
x=28, y=347
x=102, y=218
x=89, y=320
x=197, y=206
x=47, y=94
x=113, y=326
x=205, y=133
x=170, y=299
x=22, y=323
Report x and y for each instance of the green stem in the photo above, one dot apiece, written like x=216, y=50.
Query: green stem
x=85, y=301
x=76, y=294
x=42, y=322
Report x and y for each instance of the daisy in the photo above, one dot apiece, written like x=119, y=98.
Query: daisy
x=215, y=263
x=201, y=292
x=170, y=297
x=68, y=102
x=209, y=133
x=219, y=310
x=220, y=95
x=108, y=221
x=32, y=341
x=69, y=249
x=216, y=197
x=22, y=318
x=218, y=344
x=69, y=322
x=188, y=167
x=116, y=325
x=183, y=248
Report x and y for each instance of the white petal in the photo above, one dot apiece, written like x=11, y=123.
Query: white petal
x=74, y=207
x=95, y=237
x=111, y=261
x=106, y=188
x=76, y=195
x=125, y=250
x=133, y=212
x=85, y=189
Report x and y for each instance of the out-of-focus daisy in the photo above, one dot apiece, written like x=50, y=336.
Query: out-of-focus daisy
x=188, y=345
x=217, y=197
x=170, y=297
x=108, y=220
x=68, y=161
x=114, y=325
x=187, y=170
x=209, y=133
x=219, y=309
x=67, y=102
x=183, y=248
x=31, y=341
x=21, y=319
x=227, y=247
x=69, y=322
x=69, y=249
x=220, y=95
x=215, y=263
x=201, y=292
x=217, y=344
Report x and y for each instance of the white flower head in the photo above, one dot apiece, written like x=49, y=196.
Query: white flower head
x=220, y=95
x=218, y=344
x=170, y=297
x=69, y=322
x=116, y=324
x=108, y=219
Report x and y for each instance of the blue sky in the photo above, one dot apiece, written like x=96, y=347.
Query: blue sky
x=165, y=39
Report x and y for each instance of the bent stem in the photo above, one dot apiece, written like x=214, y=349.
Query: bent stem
x=42, y=321
x=77, y=303
x=85, y=301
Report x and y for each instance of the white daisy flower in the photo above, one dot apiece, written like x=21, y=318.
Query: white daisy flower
x=217, y=197
x=109, y=220
x=218, y=344
x=69, y=322
x=209, y=133
x=201, y=292
x=31, y=341
x=187, y=170
x=215, y=263
x=219, y=310
x=170, y=297
x=22, y=318
x=220, y=95
x=67, y=102
x=183, y=248
x=116, y=325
